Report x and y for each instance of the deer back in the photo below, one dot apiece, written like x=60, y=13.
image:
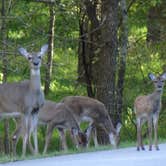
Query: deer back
x=57, y=113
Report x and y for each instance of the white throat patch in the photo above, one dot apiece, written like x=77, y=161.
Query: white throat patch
x=35, y=72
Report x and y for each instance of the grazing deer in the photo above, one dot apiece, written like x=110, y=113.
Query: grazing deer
x=54, y=115
x=25, y=98
x=147, y=108
x=93, y=111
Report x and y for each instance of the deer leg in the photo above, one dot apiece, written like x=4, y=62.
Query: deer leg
x=150, y=132
x=34, y=129
x=15, y=137
x=155, y=123
x=49, y=132
x=138, y=133
x=74, y=134
x=25, y=139
x=94, y=135
x=63, y=139
x=88, y=133
x=26, y=134
x=31, y=146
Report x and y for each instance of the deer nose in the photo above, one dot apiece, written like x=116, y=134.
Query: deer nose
x=35, y=63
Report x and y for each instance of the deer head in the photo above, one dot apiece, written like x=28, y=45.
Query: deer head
x=158, y=81
x=34, y=58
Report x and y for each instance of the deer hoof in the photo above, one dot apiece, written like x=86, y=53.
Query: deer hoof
x=150, y=148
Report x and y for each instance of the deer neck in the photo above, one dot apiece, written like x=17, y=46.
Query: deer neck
x=35, y=82
x=156, y=95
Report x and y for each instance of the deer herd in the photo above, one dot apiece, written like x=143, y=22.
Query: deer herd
x=24, y=101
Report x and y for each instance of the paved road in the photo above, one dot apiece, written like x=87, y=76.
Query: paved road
x=120, y=157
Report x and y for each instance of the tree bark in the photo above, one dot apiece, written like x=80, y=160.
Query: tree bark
x=156, y=23
x=89, y=44
x=50, y=49
x=107, y=60
x=123, y=40
x=85, y=65
x=102, y=52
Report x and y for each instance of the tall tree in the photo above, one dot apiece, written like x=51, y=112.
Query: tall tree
x=100, y=52
x=51, y=34
x=107, y=60
x=89, y=44
x=123, y=40
x=156, y=23
x=84, y=62
x=50, y=48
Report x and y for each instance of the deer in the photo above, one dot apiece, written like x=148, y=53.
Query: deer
x=147, y=108
x=54, y=115
x=86, y=109
x=25, y=98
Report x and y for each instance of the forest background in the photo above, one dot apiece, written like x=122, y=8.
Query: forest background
x=98, y=48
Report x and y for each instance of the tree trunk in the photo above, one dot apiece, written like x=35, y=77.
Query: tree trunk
x=101, y=43
x=107, y=60
x=85, y=65
x=122, y=59
x=50, y=49
x=89, y=44
x=156, y=23
x=4, y=71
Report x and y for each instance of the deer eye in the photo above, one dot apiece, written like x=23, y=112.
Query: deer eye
x=39, y=56
x=29, y=57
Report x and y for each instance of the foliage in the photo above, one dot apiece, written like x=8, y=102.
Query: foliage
x=28, y=26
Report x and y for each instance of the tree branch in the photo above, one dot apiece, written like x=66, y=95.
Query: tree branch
x=46, y=1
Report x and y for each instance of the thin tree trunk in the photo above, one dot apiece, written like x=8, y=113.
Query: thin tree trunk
x=122, y=59
x=50, y=49
x=156, y=23
x=84, y=60
x=4, y=71
x=89, y=44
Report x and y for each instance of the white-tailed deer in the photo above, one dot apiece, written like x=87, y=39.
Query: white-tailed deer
x=54, y=115
x=93, y=111
x=25, y=98
x=147, y=108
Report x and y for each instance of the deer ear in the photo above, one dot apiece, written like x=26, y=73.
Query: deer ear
x=118, y=127
x=23, y=52
x=44, y=49
x=164, y=76
x=152, y=76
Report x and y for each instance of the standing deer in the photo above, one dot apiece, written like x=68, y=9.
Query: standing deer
x=54, y=115
x=93, y=111
x=25, y=98
x=147, y=108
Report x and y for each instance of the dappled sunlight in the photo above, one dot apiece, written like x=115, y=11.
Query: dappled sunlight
x=16, y=34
